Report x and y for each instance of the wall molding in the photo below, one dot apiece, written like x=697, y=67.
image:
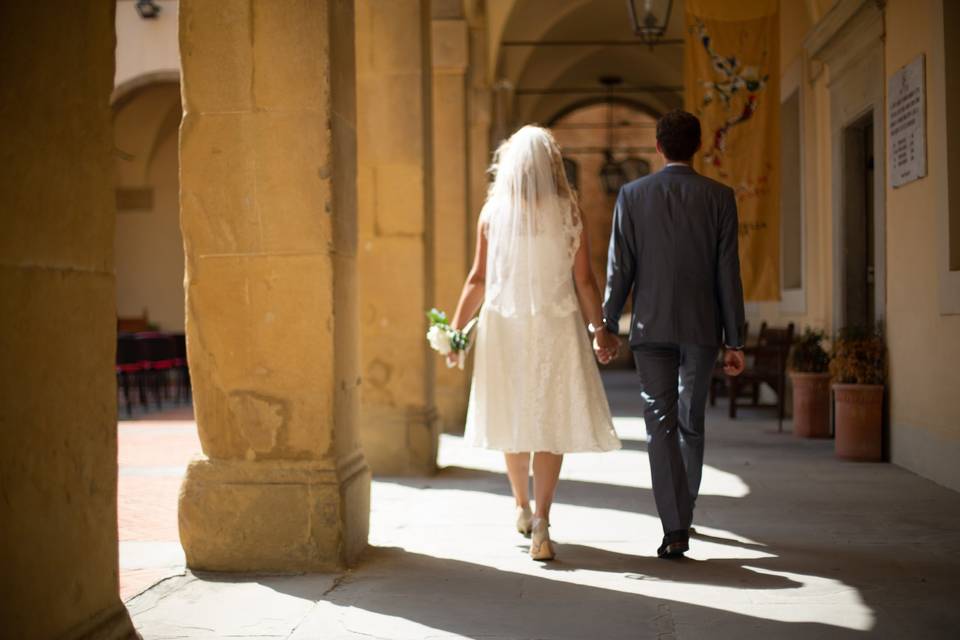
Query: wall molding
x=848, y=42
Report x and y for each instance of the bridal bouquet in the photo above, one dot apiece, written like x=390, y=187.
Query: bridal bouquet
x=444, y=339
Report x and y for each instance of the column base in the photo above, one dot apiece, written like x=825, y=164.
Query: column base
x=275, y=515
x=400, y=441
x=111, y=624
x=451, y=408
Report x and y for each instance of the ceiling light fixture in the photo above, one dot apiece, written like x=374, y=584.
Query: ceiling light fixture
x=652, y=25
x=612, y=175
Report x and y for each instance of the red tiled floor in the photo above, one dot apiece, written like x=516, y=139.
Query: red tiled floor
x=167, y=444
x=148, y=508
x=153, y=454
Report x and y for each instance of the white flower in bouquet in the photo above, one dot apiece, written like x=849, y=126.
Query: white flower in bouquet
x=439, y=339
x=445, y=340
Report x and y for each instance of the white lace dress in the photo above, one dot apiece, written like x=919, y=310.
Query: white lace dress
x=536, y=386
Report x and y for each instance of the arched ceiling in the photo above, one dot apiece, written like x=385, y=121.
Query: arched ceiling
x=142, y=119
x=552, y=68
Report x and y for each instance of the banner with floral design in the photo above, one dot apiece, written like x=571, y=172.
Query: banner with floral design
x=731, y=80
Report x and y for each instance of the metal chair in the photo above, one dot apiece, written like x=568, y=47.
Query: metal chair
x=180, y=365
x=159, y=358
x=130, y=368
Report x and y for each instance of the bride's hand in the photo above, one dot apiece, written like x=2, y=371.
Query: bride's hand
x=453, y=359
x=606, y=345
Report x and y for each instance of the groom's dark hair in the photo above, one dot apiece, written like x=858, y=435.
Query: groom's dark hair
x=678, y=133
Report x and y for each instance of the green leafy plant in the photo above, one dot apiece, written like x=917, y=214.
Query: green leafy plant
x=436, y=316
x=808, y=354
x=859, y=357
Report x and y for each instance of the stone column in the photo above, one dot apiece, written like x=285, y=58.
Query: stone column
x=452, y=222
x=502, y=126
x=399, y=427
x=479, y=105
x=267, y=156
x=58, y=402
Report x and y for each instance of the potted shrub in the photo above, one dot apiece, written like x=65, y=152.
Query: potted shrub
x=858, y=367
x=810, y=376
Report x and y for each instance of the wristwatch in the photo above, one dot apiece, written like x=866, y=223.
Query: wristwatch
x=592, y=328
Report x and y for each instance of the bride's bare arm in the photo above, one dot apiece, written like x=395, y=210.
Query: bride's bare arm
x=471, y=297
x=588, y=293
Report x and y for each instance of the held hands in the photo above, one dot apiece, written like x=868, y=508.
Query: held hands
x=605, y=345
x=733, y=362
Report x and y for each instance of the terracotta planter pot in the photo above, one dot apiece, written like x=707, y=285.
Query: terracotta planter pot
x=859, y=415
x=811, y=404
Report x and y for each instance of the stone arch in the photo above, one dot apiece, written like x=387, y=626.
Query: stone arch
x=581, y=131
x=148, y=245
x=153, y=101
x=638, y=105
x=128, y=88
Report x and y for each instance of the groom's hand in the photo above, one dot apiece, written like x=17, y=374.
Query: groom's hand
x=733, y=362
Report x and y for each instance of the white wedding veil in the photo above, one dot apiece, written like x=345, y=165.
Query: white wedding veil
x=532, y=224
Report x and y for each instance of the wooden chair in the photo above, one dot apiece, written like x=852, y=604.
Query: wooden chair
x=767, y=363
x=133, y=324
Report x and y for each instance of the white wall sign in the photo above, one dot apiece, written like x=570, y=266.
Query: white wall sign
x=905, y=124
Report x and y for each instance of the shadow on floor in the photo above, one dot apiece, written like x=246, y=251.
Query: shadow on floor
x=474, y=600
x=876, y=531
x=719, y=572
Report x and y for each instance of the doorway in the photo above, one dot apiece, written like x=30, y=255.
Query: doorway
x=859, y=277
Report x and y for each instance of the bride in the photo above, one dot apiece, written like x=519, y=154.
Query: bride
x=536, y=389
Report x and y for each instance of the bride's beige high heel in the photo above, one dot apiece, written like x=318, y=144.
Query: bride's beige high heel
x=541, y=548
x=524, y=520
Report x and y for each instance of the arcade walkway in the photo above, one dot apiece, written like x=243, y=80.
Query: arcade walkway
x=792, y=544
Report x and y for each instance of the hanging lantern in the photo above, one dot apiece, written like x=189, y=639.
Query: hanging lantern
x=650, y=21
x=612, y=176
x=635, y=168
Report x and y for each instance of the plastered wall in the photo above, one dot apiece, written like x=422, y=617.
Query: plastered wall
x=924, y=344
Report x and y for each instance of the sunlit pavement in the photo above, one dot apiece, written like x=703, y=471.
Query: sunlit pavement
x=153, y=453
x=792, y=543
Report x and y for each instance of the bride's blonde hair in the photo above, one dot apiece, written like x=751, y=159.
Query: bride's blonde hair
x=530, y=137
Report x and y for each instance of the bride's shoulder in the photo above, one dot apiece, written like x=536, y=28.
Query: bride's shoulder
x=486, y=214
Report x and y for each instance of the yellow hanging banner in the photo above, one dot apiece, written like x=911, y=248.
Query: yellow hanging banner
x=732, y=83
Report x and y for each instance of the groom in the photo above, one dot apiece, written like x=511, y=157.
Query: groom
x=674, y=246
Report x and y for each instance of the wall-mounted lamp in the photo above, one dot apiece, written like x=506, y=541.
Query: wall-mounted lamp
x=148, y=9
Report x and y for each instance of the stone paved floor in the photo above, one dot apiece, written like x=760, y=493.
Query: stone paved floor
x=793, y=544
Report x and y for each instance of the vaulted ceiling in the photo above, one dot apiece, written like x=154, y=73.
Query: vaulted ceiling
x=548, y=78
